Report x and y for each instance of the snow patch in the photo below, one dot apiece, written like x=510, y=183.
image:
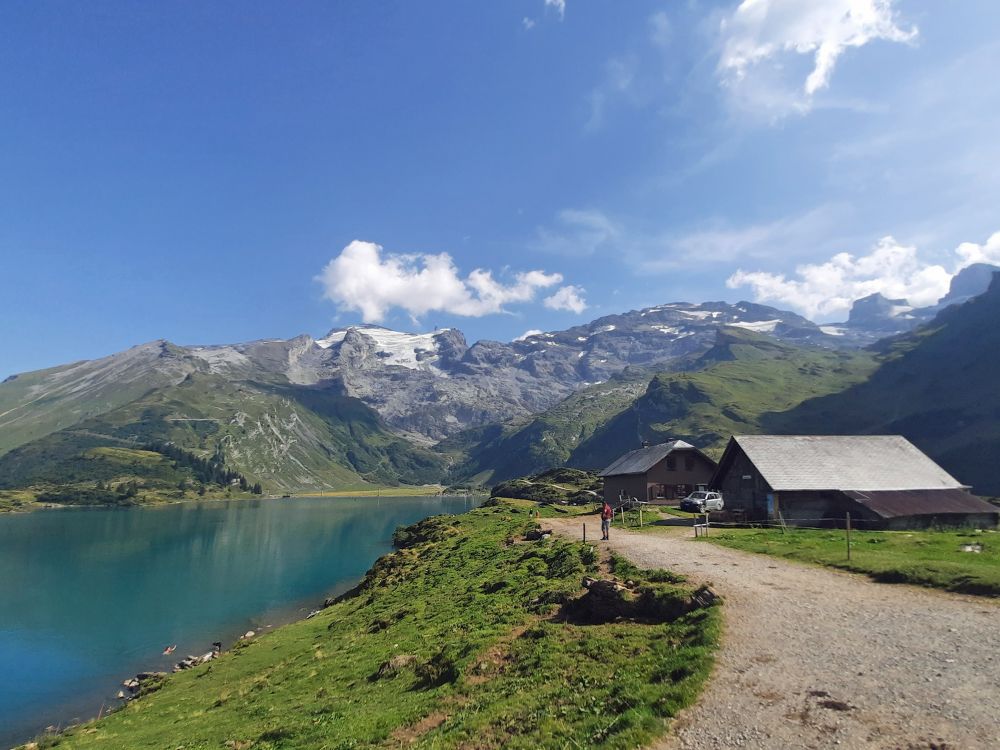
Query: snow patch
x=408, y=350
x=832, y=330
x=761, y=326
x=335, y=337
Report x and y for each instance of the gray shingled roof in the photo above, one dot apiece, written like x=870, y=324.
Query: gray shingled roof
x=843, y=462
x=642, y=460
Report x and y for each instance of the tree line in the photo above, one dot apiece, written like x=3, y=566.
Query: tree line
x=210, y=470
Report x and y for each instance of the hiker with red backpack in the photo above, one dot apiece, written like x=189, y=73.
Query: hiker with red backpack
x=606, y=515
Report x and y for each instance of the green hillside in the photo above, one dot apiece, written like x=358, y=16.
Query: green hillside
x=288, y=438
x=937, y=387
x=744, y=377
x=36, y=404
x=469, y=636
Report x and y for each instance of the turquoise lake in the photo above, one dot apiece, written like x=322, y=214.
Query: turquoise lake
x=89, y=597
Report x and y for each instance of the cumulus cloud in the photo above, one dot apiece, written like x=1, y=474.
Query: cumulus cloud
x=760, y=35
x=362, y=278
x=568, y=298
x=988, y=252
x=820, y=290
x=559, y=6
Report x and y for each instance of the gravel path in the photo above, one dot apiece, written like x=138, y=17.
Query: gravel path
x=816, y=658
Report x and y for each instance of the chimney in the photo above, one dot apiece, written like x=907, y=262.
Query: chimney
x=645, y=443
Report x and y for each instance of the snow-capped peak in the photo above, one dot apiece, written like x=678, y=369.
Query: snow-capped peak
x=415, y=351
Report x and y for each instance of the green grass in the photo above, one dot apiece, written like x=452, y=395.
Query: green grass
x=548, y=510
x=11, y=500
x=485, y=659
x=924, y=558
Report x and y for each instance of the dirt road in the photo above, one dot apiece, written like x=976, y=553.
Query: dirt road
x=816, y=658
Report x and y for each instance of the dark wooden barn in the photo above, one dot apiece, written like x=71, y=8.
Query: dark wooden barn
x=883, y=481
x=657, y=473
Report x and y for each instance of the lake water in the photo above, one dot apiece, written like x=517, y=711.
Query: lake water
x=89, y=597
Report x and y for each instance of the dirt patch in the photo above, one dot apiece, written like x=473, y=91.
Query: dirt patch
x=408, y=735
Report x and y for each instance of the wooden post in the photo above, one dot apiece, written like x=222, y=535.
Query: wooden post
x=706, y=523
x=848, y=536
x=585, y=532
x=640, y=516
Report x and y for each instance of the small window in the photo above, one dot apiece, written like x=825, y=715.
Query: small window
x=689, y=463
x=671, y=463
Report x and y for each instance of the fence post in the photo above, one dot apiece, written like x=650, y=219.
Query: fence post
x=848, y=536
x=640, y=516
x=584, y=532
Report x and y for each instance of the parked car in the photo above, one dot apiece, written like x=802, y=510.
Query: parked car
x=701, y=501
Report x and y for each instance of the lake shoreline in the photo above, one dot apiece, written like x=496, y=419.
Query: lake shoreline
x=32, y=506
x=279, y=562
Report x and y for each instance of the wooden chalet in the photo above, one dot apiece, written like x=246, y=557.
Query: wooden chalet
x=657, y=473
x=883, y=481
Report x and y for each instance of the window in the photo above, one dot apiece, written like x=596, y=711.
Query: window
x=689, y=463
x=671, y=463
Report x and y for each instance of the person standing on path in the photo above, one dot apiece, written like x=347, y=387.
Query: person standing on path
x=606, y=515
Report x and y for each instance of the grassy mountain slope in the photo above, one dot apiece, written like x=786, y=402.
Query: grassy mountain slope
x=728, y=389
x=742, y=378
x=464, y=638
x=499, y=452
x=36, y=404
x=937, y=387
x=286, y=437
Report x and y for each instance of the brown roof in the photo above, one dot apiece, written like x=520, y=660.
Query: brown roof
x=642, y=460
x=894, y=503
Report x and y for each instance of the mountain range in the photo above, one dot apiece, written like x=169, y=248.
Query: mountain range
x=367, y=405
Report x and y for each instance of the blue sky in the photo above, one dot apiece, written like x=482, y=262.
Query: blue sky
x=212, y=173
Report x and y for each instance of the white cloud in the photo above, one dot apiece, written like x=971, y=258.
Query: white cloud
x=528, y=23
x=891, y=269
x=760, y=35
x=568, y=298
x=362, y=278
x=988, y=252
x=529, y=334
x=559, y=5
